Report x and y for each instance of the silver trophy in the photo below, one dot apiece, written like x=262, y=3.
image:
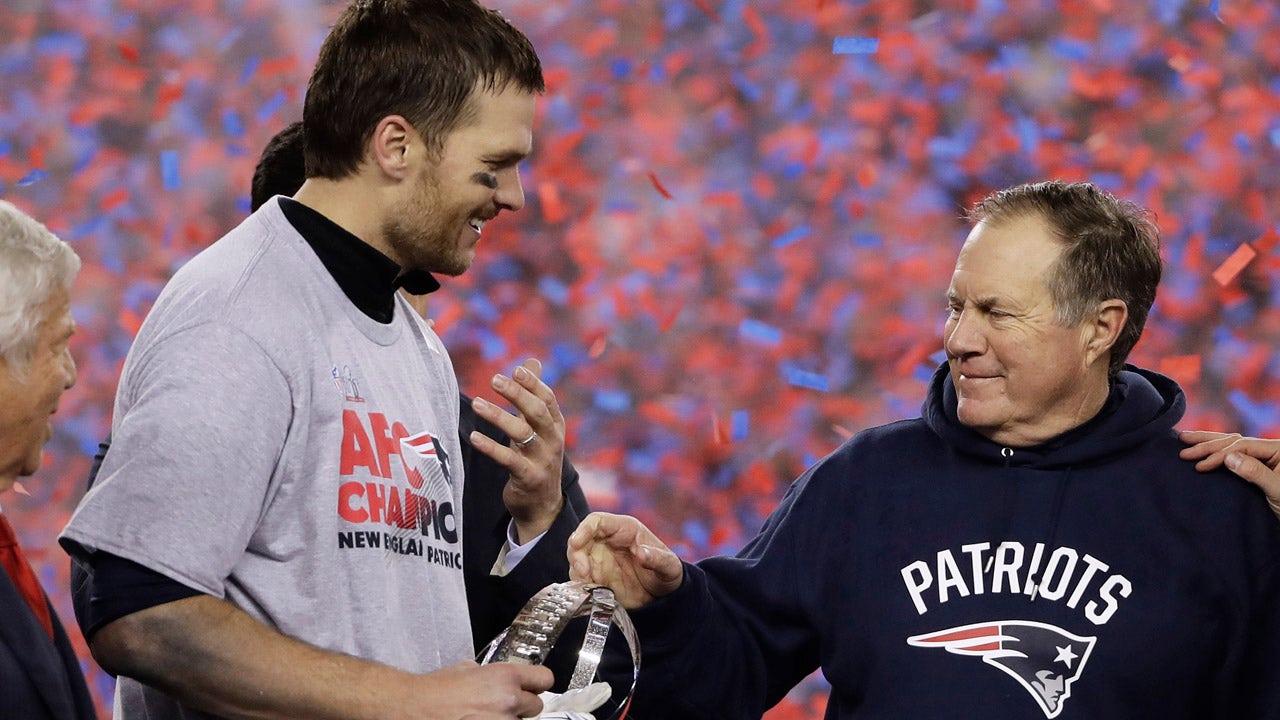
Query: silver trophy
x=538, y=626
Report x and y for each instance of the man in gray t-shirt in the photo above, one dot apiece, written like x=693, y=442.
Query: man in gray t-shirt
x=286, y=431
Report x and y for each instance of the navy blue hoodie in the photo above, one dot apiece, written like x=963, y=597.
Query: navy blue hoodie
x=932, y=573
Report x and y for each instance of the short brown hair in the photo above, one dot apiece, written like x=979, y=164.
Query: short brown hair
x=281, y=169
x=1112, y=250
x=421, y=59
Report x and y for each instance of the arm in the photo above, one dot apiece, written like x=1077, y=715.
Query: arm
x=195, y=650
x=1254, y=459
x=726, y=637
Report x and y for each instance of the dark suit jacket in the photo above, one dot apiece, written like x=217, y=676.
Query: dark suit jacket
x=40, y=678
x=494, y=601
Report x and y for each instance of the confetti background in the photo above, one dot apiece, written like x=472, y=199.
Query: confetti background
x=741, y=215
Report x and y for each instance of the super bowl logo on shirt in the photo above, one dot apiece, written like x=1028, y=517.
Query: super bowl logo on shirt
x=396, y=487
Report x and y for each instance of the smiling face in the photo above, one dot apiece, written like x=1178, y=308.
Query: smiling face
x=31, y=396
x=437, y=223
x=1021, y=376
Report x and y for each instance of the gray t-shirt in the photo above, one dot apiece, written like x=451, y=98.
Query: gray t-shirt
x=274, y=446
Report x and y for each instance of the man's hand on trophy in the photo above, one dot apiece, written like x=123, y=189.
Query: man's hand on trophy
x=535, y=455
x=574, y=704
x=619, y=552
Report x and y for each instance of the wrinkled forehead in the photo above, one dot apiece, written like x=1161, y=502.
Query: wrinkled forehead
x=1014, y=251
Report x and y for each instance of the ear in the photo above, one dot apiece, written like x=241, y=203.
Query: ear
x=1101, y=332
x=391, y=146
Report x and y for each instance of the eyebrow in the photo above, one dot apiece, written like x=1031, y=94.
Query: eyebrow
x=983, y=301
x=506, y=157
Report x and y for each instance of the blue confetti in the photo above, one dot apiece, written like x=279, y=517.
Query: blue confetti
x=227, y=41
x=1214, y=7
x=791, y=236
x=250, y=68
x=642, y=462
x=32, y=177
x=1274, y=135
x=270, y=107
x=554, y=289
x=1258, y=416
x=612, y=400
x=1071, y=49
x=855, y=46
x=740, y=424
x=232, y=125
x=760, y=332
x=696, y=532
x=6, y=146
x=1028, y=134
x=169, y=170
x=88, y=227
x=620, y=68
x=805, y=379
x=482, y=307
x=61, y=43
x=749, y=90
x=492, y=346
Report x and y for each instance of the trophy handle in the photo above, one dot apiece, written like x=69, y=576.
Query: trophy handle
x=539, y=624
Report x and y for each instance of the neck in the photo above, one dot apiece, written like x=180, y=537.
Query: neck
x=353, y=202
x=1069, y=416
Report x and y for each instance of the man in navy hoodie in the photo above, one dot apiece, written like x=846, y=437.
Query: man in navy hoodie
x=1032, y=546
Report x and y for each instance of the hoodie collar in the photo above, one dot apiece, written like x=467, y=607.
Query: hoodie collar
x=1142, y=404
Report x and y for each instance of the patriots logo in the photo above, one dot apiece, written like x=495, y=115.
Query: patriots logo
x=427, y=464
x=1044, y=659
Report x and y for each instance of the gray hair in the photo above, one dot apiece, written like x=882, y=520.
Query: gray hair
x=33, y=264
x=1111, y=249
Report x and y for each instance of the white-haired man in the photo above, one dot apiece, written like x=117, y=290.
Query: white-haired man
x=39, y=673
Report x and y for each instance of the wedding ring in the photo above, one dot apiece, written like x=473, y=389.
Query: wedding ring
x=533, y=435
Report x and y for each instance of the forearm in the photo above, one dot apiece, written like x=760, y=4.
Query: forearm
x=208, y=654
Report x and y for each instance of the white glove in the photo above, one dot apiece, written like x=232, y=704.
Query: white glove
x=574, y=704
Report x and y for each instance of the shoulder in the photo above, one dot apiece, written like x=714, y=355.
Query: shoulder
x=872, y=458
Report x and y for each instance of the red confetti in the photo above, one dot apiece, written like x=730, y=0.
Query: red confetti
x=702, y=5
x=128, y=52
x=279, y=66
x=553, y=209
x=166, y=96
x=718, y=434
x=1267, y=242
x=598, y=347
x=657, y=184
x=667, y=319
x=1185, y=369
x=867, y=175
x=115, y=199
x=1232, y=266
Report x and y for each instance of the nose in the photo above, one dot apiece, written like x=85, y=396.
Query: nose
x=510, y=194
x=962, y=335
